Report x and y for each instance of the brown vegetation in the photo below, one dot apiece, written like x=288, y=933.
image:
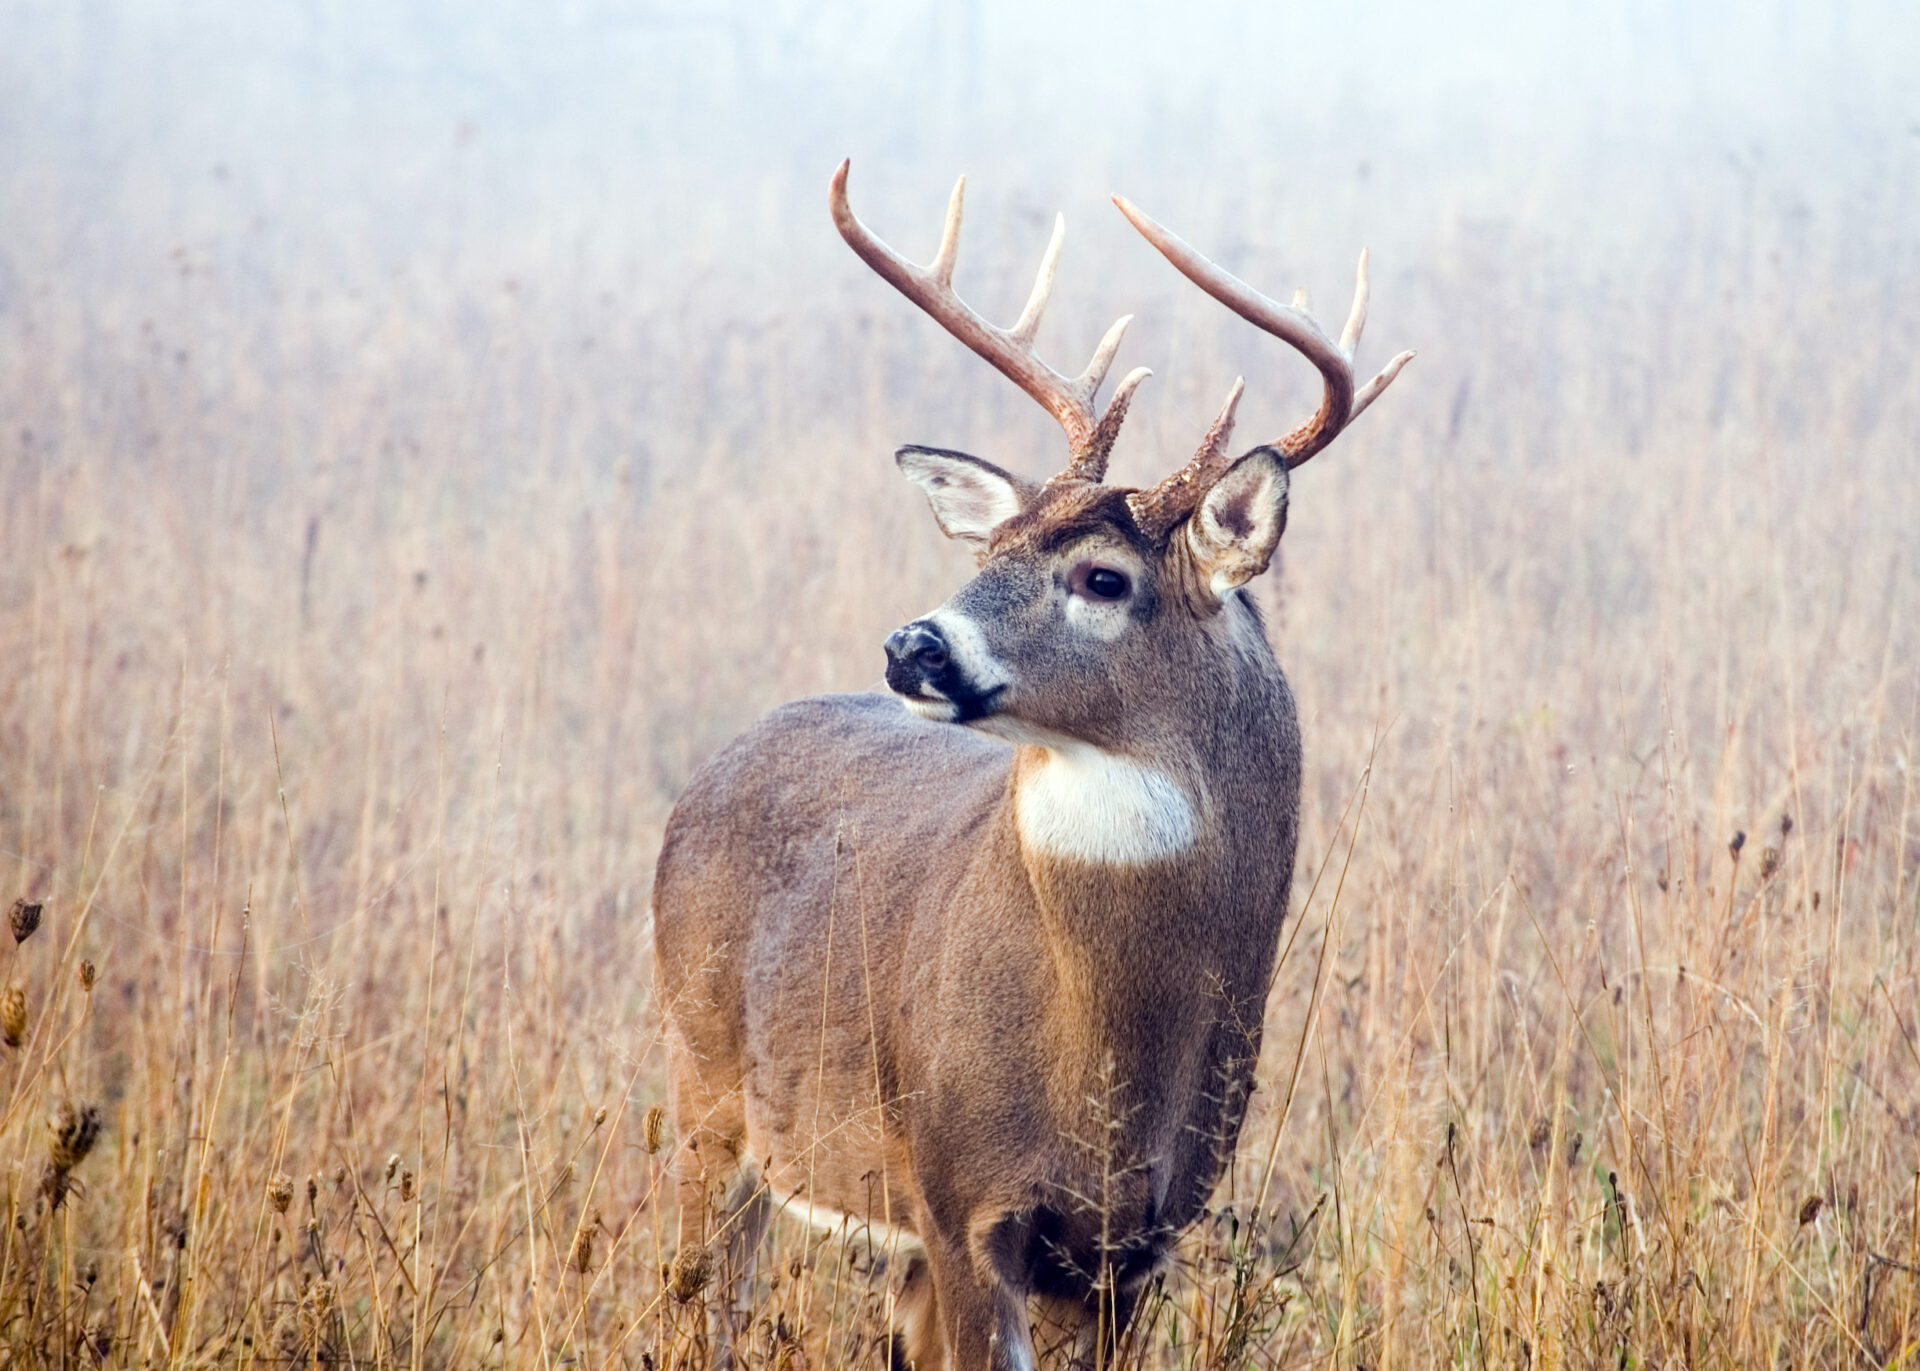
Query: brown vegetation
x=357, y=635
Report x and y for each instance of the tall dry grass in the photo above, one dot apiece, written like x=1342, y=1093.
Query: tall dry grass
x=357, y=632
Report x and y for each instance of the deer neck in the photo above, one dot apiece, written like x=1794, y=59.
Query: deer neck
x=1130, y=872
x=1085, y=806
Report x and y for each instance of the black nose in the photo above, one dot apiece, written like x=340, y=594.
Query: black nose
x=915, y=653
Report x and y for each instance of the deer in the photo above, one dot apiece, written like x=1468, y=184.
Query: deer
x=975, y=969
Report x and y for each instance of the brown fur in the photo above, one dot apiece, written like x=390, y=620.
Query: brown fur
x=877, y=1000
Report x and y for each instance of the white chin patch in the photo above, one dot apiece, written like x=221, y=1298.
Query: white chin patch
x=1092, y=806
x=940, y=711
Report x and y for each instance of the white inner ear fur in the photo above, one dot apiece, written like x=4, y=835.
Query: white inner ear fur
x=1093, y=806
x=970, y=498
x=1234, y=531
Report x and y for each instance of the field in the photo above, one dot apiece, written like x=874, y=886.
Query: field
x=364, y=605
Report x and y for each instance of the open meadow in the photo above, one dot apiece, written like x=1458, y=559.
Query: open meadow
x=420, y=447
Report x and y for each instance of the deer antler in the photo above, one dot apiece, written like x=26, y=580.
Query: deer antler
x=1010, y=351
x=1158, y=510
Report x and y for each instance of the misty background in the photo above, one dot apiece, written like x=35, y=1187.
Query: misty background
x=505, y=355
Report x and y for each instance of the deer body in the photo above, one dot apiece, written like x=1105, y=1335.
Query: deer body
x=976, y=971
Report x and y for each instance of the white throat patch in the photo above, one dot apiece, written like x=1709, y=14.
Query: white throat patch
x=1092, y=806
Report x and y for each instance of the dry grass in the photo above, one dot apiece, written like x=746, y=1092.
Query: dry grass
x=355, y=646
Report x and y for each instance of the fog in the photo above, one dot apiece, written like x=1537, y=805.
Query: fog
x=615, y=163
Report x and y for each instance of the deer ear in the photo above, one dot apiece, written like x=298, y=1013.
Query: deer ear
x=1233, y=533
x=970, y=497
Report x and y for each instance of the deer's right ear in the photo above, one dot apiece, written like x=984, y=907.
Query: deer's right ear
x=970, y=497
x=1232, y=535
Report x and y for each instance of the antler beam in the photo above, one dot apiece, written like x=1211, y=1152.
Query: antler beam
x=1341, y=403
x=1010, y=351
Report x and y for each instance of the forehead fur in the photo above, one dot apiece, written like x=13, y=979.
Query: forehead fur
x=1069, y=510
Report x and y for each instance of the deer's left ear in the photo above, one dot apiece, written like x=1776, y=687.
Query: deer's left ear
x=970, y=496
x=1233, y=533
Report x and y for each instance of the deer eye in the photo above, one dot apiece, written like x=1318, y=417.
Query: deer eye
x=1101, y=583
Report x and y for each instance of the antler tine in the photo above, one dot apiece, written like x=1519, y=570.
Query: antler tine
x=943, y=260
x=1092, y=465
x=1157, y=511
x=1350, y=342
x=1357, y=316
x=1009, y=351
x=1214, y=445
x=1096, y=371
x=1368, y=393
x=1028, y=323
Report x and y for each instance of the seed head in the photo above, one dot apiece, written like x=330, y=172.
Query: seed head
x=24, y=920
x=599, y=1117
x=313, y=1190
x=692, y=1269
x=74, y=1129
x=406, y=1185
x=1810, y=1208
x=393, y=1165
x=656, y=1130
x=581, y=1257
x=280, y=1192
x=13, y=1015
x=316, y=1308
x=87, y=975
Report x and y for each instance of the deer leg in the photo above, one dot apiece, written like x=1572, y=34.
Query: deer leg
x=917, y=1342
x=743, y=1230
x=985, y=1324
x=723, y=1213
x=1102, y=1326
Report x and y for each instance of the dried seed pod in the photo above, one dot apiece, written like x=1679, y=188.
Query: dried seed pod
x=581, y=1257
x=75, y=1128
x=692, y=1269
x=656, y=1130
x=13, y=1015
x=24, y=919
x=313, y=1190
x=393, y=1165
x=280, y=1192
x=1810, y=1208
x=599, y=1117
x=406, y=1185
x=87, y=976
x=316, y=1309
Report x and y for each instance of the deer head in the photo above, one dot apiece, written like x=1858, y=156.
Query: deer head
x=1096, y=606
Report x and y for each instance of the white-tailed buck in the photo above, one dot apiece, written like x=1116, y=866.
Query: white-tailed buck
x=975, y=971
